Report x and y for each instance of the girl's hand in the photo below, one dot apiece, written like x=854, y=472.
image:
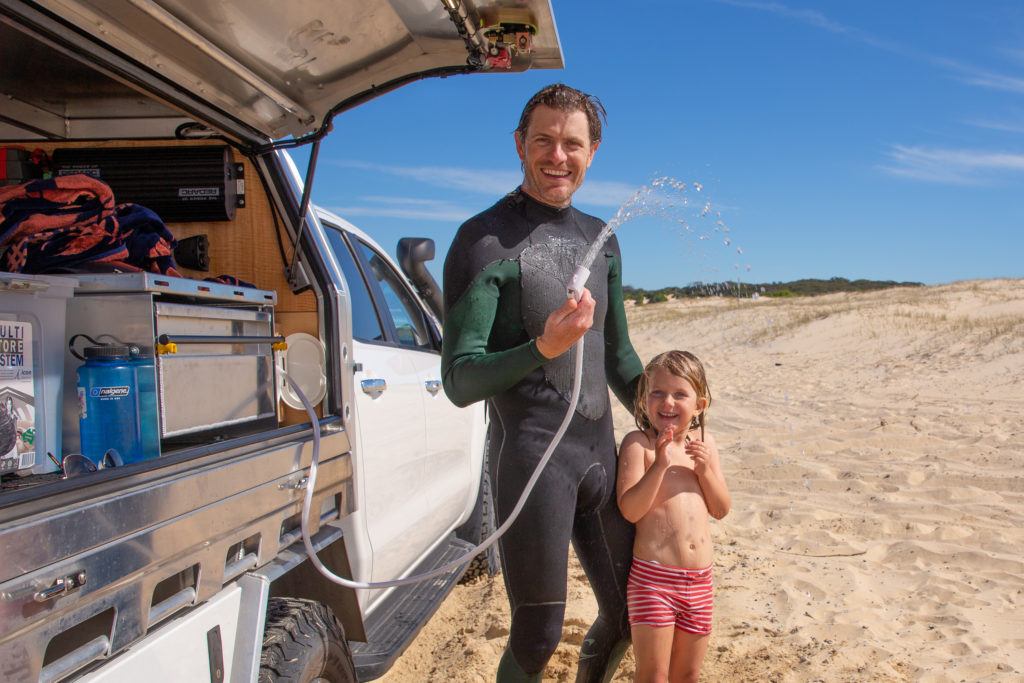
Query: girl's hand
x=704, y=456
x=665, y=437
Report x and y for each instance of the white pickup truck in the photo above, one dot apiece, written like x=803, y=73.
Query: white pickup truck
x=187, y=565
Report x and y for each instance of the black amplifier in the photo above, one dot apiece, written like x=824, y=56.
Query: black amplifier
x=181, y=184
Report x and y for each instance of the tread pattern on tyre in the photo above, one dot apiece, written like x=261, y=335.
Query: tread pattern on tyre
x=484, y=564
x=298, y=631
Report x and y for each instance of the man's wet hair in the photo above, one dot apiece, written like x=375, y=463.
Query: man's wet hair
x=561, y=97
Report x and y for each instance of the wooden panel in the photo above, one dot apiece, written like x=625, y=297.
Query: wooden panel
x=290, y=322
x=246, y=247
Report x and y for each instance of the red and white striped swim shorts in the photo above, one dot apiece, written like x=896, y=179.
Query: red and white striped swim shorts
x=662, y=595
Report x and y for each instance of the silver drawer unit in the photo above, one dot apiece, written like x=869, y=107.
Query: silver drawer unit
x=219, y=378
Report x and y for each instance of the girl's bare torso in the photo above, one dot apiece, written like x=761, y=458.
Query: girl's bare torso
x=675, y=531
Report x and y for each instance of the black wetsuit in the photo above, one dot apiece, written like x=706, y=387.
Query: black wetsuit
x=504, y=274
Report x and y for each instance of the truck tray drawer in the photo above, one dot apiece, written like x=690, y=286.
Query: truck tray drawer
x=208, y=387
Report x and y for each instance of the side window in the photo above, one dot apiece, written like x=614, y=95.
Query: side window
x=410, y=326
x=365, y=323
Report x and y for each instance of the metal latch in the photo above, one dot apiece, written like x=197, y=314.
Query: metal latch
x=62, y=586
x=295, y=484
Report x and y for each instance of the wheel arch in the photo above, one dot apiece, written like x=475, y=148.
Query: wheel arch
x=292, y=575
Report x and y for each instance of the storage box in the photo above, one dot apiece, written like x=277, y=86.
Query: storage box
x=219, y=383
x=33, y=310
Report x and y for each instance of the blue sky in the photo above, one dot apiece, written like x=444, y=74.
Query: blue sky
x=880, y=140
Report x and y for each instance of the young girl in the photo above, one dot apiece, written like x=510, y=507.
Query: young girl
x=669, y=480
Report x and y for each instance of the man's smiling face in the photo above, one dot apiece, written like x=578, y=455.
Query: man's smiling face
x=556, y=153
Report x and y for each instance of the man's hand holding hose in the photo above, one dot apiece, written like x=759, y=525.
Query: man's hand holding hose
x=566, y=325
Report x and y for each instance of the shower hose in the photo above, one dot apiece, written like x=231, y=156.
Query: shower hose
x=575, y=290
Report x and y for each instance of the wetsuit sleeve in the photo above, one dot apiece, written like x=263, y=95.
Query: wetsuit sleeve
x=622, y=365
x=471, y=372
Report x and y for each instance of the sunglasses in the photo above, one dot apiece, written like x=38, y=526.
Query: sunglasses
x=76, y=464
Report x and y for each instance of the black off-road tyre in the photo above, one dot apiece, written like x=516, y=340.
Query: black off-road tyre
x=303, y=642
x=480, y=526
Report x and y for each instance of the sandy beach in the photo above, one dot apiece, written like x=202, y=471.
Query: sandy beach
x=874, y=445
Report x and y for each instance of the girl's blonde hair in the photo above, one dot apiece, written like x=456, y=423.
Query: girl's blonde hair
x=681, y=364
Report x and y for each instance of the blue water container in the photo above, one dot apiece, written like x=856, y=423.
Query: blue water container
x=108, y=403
x=149, y=407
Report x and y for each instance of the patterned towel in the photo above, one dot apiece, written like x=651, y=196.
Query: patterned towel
x=69, y=224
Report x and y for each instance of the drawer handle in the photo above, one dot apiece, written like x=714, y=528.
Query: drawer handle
x=433, y=386
x=216, y=339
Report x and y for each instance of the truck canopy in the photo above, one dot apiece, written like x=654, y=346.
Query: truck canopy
x=273, y=69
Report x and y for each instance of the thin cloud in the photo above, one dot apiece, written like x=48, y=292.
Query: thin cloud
x=493, y=182
x=604, y=193
x=812, y=18
x=1004, y=126
x=405, y=201
x=951, y=166
x=468, y=180
x=411, y=208
x=993, y=81
x=965, y=73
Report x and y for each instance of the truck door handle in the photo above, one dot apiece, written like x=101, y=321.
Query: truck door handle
x=373, y=387
x=433, y=386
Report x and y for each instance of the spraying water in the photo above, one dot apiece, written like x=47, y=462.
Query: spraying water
x=669, y=200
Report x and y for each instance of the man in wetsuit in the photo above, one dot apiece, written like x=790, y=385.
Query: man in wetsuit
x=508, y=331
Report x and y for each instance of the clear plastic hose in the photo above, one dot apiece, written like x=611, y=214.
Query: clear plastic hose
x=307, y=502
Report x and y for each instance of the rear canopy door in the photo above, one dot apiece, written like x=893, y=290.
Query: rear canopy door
x=281, y=67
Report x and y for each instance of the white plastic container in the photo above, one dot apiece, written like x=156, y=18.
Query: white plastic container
x=33, y=310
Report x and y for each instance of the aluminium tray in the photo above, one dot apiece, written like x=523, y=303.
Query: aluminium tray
x=177, y=286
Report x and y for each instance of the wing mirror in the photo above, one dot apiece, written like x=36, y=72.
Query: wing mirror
x=413, y=254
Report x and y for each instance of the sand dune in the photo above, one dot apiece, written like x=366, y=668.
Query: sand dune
x=874, y=445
